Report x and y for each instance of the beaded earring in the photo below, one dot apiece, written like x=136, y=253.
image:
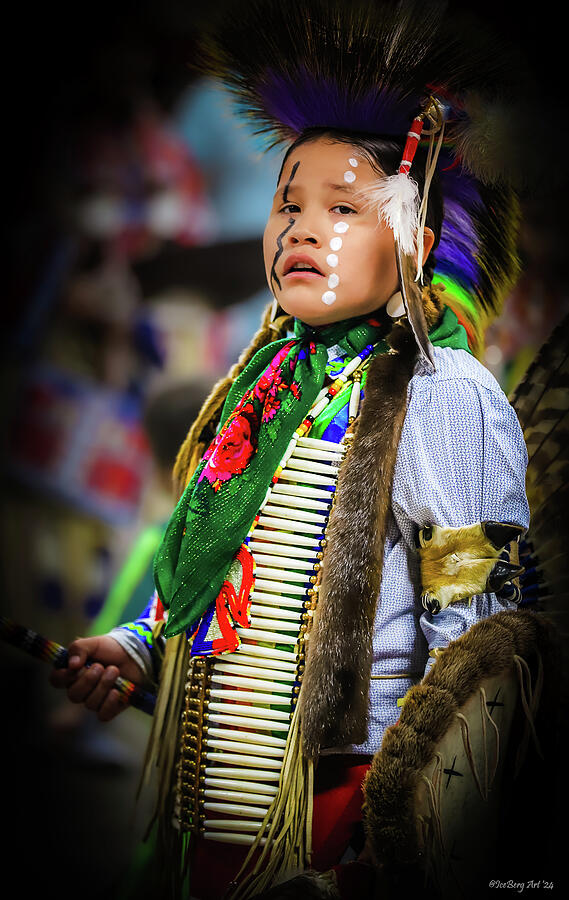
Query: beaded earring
x=395, y=306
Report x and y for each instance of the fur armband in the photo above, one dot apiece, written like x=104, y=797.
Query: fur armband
x=458, y=563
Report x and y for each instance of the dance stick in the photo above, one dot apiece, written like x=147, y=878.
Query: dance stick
x=51, y=652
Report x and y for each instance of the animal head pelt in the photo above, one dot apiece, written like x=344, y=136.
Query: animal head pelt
x=458, y=563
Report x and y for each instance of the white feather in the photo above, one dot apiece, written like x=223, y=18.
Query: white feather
x=396, y=199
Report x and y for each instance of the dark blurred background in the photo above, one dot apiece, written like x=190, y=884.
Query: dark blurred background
x=134, y=203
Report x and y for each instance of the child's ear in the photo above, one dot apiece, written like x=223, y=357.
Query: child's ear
x=428, y=241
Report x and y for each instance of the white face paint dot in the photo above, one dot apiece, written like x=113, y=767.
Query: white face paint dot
x=333, y=280
x=332, y=260
x=328, y=297
x=349, y=177
x=341, y=227
x=335, y=243
x=353, y=162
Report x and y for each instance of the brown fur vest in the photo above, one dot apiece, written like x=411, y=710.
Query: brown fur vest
x=334, y=696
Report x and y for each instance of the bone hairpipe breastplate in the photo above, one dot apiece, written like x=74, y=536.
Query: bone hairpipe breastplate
x=239, y=706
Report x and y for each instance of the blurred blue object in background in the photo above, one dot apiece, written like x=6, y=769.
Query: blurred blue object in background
x=240, y=172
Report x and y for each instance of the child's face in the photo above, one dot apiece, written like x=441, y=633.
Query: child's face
x=319, y=219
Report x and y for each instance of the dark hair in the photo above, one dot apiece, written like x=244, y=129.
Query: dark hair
x=384, y=156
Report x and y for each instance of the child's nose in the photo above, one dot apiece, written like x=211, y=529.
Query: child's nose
x=303, y=234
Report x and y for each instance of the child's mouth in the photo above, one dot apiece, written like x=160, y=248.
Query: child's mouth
x=298, y=267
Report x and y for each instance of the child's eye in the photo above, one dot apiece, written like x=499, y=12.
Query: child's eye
x=290, y=208
x=343, y=210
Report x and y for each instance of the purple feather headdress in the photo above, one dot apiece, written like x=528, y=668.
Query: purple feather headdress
x=364, y=66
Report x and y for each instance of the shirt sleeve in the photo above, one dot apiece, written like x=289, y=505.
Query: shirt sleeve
x=462, y=459
x=140, y=640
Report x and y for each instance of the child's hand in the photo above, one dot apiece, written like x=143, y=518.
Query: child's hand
x=93, y=685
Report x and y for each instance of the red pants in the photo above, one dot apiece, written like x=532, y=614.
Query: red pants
x=337, y=810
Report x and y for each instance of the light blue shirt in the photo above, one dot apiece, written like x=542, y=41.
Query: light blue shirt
x=461, y=459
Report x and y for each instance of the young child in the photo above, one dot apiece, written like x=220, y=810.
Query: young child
x=359, y=416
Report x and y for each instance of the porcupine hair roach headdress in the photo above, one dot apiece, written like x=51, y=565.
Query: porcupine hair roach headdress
x=388, y=69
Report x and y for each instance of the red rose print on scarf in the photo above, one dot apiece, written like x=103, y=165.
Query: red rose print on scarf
x=236, y=443
x=272, y=405
x=233, y=447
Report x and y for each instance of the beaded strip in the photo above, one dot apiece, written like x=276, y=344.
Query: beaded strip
x=188, y=813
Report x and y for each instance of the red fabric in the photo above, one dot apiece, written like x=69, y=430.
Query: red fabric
x=338, y=802
x=337, y=809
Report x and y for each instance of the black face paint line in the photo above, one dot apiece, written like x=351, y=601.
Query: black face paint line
x=279, y=252
x=287, y=185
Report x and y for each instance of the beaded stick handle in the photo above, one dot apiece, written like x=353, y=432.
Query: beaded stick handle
x=51, y=652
